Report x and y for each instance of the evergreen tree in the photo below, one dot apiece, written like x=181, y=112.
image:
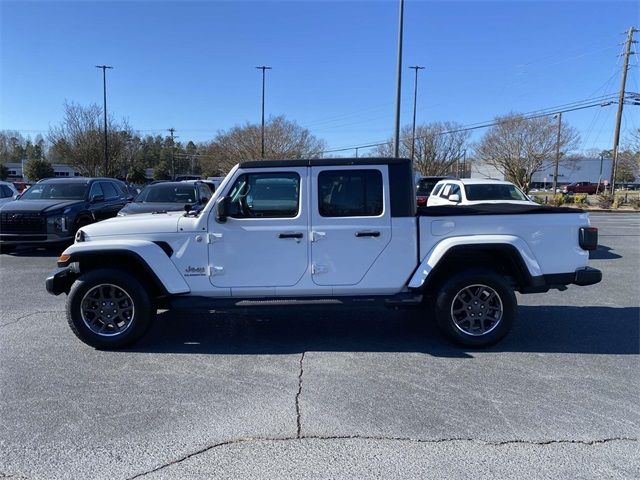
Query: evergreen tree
x=37, y=169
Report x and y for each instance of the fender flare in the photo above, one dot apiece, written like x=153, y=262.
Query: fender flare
x=439, y=252
x=153, y=257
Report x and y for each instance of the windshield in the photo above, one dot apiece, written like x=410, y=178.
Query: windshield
x=167, y=194
x=494, y=191
x=56, y=191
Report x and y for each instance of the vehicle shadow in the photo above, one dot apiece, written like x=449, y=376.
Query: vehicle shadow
x=544, y=329
x=603, y=253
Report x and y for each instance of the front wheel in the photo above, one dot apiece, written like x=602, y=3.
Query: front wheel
x=108, y=308
x=476, y=308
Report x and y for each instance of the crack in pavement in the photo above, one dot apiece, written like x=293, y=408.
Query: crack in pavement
x=239, y=441
x=29, y=315
x=298, y=418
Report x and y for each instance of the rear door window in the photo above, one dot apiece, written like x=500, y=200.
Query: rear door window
x=350, y=193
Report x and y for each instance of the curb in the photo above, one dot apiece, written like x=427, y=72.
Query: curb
x=599, y=210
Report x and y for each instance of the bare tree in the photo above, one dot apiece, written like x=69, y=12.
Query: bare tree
x=78, y=141
x=518, y=147
x=439, y=147
x=284, y=139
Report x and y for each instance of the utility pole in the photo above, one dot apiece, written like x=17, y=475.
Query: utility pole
x=396, y=136
x=555, y=168
x=104, y=91
x=263, y=68
x=623, y=84
x=173, y=155
x=415, y=100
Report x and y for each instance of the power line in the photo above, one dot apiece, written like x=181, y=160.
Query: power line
x=601, y=102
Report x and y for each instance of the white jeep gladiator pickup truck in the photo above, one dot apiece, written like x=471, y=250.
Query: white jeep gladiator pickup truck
x=325, y=231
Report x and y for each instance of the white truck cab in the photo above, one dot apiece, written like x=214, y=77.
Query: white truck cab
x=319, y=231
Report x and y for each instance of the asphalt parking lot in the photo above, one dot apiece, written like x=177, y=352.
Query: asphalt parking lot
x=328, y=393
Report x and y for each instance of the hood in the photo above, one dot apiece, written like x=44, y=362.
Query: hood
x=135, y=224
x=39, y=206
x=140, y=207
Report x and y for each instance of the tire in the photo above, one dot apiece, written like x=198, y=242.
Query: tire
x=132, y=314
x=476, y=308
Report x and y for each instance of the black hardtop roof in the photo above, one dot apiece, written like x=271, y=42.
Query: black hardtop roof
x=324, y=162
x=76, y=179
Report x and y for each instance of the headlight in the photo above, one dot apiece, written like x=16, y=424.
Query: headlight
x=59, y=223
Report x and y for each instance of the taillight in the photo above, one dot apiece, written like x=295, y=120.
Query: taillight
x=422, y=201
x=588, y=238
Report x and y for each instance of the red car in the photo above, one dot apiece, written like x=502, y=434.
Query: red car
x=21, y=186
x=583, y=187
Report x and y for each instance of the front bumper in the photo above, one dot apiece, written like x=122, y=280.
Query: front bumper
x=60, y=280
x=25, y=239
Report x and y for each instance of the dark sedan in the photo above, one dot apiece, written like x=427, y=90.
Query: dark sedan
x=169, y=197
x=52, y=210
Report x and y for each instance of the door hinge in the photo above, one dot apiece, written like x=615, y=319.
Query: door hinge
x=317, y=235
x=316, y=269
x=214, y=237
x=214, y=270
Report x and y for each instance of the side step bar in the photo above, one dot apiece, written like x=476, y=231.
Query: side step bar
x=186, y=302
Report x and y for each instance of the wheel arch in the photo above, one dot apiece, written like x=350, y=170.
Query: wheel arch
x=512, y=259
x=146, y=260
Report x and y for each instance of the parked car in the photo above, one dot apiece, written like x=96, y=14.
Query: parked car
x=216, y=181
x=182, y=178
x=8, y=192
x=21, y=186
x=472, y=191
x=52, y=210
x=318, y=232
x=583, y=187
x=424, y=187
x=168, y=197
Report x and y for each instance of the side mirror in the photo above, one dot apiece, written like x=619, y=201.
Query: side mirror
x=188, y=207
x=222, y=209
x=454, y=198
x=97, y=198
x=204, y=200
x=17, y=196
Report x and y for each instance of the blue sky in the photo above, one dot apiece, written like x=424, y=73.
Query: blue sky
x=190, y=65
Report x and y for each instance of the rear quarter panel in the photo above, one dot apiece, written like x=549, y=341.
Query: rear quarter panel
x=552, y=238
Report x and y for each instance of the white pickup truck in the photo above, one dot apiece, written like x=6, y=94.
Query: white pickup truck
x=320, y=232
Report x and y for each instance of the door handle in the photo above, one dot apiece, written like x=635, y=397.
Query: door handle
x=367, y=234
x=290, y=235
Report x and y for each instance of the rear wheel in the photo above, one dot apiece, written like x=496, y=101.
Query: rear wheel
x=476, y=308
x=108, y=308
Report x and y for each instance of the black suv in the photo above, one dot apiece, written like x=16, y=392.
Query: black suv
x=52, y=210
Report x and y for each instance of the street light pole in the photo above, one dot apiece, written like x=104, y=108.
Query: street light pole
x=263, y=68
x=415, y=99
x=396, y=136
x=555, y=168
x=104, y=90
